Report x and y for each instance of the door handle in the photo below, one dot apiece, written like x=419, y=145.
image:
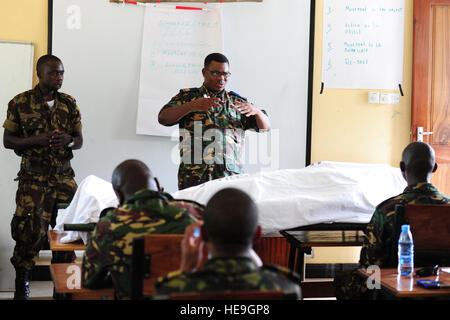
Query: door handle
x=421, y=133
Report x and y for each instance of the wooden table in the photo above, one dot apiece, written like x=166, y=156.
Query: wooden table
x=303, y=239
x=67, y=280
x=402, y=287
x=56, y=245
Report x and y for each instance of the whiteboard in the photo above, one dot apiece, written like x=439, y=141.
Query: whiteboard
x=100, y=44
x=16, y=69
x=363, y=44
x=174, y=45
x=16, y=76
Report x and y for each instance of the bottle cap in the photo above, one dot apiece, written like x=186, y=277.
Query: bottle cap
x=405, y=228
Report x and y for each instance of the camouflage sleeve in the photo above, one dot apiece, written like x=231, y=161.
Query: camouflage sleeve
x=172, y=282
x=176, y=101
x=372, y=248
x=195, y=210
x=291, y=275
x=12, y=118
x=97, y=258
x=250, y=122
x=76, y=120
x=75, y=115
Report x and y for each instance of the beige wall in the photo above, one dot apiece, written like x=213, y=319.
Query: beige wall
x=25, y=21
x=345, y=127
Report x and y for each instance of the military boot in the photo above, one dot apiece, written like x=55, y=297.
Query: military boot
x=22, y=284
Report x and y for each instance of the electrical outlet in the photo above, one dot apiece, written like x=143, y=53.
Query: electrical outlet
x=395, y=98
x=374, y=97
x=385, y=98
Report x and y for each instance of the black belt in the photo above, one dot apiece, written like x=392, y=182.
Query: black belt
x=46, y=170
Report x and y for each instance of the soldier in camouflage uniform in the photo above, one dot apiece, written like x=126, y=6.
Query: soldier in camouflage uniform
x=229, y=228
x=42, y=126
x=212, y=125
x=417, y=165
x=144, y=209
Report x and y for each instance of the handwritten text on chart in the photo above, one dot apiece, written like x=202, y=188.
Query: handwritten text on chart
x=357, y=30
x=178, y=47
x=363, y=43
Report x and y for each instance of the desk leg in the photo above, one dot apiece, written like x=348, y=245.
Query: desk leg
x=300, y=268
x=292, y=252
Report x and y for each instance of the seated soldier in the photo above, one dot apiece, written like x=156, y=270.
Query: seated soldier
x=143, y=209
x=229, y=228
x=417, y=165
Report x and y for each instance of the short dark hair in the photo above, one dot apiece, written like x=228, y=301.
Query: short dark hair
x=419, y=158
x=231, y=218
x=131, y=176
x=215, y=57
x=43, y=60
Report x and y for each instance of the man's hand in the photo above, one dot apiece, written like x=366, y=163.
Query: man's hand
x=192, y=248
x=42, y=139
x=246, y=108
x=205, y=104
x=59, y=139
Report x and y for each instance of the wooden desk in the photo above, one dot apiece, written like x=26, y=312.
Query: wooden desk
x=302, y=241
x=407, y=287
x=54, y=239
x=67, y=280
x=321, y=235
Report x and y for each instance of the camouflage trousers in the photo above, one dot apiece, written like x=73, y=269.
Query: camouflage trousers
x=193, y=175
x=348, y=285
x=36, y=201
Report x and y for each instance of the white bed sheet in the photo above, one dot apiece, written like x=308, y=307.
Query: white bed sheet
x=325, y=192
x=92, y=196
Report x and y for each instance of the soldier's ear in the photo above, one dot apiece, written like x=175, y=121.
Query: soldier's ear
x=435, y=167
x=119, y=195
x=158, y=186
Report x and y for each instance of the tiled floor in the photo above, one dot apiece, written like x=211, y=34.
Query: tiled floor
x=39, y=290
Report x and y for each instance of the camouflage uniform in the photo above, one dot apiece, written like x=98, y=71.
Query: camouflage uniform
x=378, y=240
x=230, y=274
x=217, y=153
x=108, y=252
x=45, y=177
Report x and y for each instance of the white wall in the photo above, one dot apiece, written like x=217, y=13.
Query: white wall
x=266, y=43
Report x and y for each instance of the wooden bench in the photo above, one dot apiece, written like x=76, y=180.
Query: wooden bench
x=54, y=239
x=67, y=280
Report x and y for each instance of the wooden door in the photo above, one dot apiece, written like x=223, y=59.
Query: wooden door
x=431, y=82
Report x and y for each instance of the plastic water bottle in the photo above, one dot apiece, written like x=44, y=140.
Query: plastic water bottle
x=405, y=251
